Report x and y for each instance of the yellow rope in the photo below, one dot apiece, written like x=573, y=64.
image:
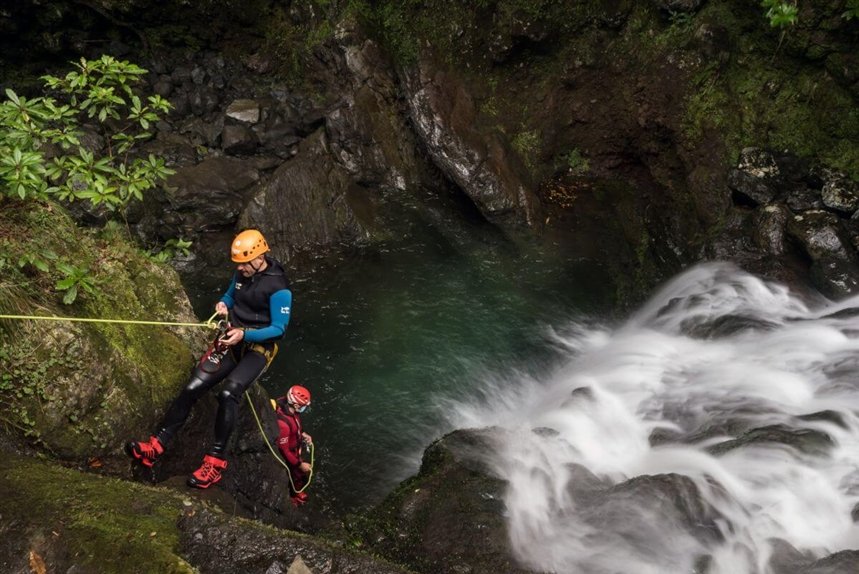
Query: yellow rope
x=275, y=455
x=208, y=323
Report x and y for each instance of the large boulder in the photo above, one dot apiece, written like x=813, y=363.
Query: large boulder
x=308, y=201
x=822, y=237
x=450, y=518
x=839, y=192
x=211, y=194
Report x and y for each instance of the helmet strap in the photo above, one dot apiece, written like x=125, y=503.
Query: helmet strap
x=256, y=269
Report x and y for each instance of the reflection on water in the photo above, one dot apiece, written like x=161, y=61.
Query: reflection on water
x=385, y=333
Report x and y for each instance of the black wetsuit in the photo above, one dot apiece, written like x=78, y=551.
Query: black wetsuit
x=261, y=304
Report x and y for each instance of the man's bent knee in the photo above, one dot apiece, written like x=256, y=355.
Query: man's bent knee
x=230, y=393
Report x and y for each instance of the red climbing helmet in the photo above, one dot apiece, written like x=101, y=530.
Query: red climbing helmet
x=298, y=396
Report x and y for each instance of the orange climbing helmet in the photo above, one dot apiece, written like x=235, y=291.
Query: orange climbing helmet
x=248, y=245
x=298, y=396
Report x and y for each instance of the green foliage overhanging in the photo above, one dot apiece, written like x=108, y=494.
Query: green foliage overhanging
x=41, y=149
x=780, y=13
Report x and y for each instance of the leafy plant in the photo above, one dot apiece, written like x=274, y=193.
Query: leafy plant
x=577, y=163
x=679, y=18
x=41, y=153
x=75, y=280
x=526, y=143
x=171, y=249
x=38, y=260
x=852, y=11
x=781, y=14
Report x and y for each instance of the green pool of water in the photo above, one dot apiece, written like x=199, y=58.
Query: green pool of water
x=384, y=335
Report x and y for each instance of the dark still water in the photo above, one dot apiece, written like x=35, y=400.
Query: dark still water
x=387, y=335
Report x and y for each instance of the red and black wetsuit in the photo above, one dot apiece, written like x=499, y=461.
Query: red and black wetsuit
x=289, y=442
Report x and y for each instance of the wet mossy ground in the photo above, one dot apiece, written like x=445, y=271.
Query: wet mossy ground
x=64, y=520
x=96, y=524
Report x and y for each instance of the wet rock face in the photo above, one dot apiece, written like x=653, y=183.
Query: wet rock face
x=255, y=483
x=211, y=542
x=450, y=518
x=801, y=212
x=444, y=116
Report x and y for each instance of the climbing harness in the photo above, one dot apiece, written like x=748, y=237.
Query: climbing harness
x=278, y=458
x=211, y=359
x=269, y=354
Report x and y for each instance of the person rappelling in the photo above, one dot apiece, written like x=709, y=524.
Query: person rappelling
x=256, y=306
x=293, y=441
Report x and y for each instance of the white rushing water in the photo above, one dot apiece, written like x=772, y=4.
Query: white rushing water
x=676, y=368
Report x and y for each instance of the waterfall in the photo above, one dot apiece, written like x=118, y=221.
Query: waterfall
x=715, y=431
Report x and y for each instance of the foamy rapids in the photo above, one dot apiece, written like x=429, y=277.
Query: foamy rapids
x=716, y=354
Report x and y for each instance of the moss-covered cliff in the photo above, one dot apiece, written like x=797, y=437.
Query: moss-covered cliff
x=74, y=389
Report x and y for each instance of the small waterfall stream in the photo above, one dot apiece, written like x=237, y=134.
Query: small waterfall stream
x=715, y=431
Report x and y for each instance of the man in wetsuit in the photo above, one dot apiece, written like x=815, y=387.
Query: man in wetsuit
x=257, y=303
x=291, y=439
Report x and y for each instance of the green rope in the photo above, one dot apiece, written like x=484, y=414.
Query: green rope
x=208, y=323
x=275, y=455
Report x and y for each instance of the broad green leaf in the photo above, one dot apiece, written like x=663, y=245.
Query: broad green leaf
x=70, y=295
x=12, y=95
x=64, y=284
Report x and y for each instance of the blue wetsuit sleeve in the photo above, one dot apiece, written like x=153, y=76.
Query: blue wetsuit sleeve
x=280, y=303
x=227, y=297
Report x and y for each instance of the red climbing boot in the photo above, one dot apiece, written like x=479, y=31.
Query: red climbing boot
x=299, y=498
x=209, y=473
x=146, y=453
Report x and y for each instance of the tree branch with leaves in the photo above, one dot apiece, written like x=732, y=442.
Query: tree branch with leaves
x=41, y=154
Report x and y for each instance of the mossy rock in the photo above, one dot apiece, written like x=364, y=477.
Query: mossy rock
x=63, y=519
x=78, y=389
x=448, y=518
